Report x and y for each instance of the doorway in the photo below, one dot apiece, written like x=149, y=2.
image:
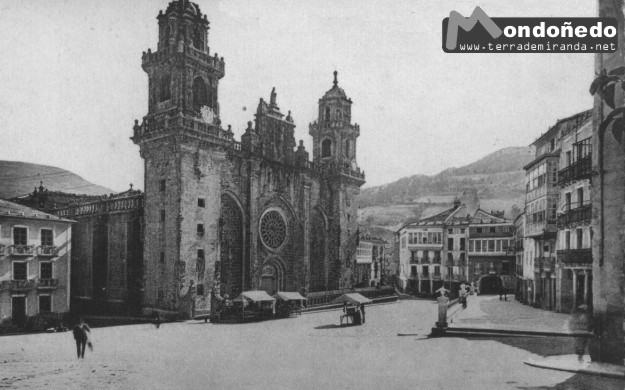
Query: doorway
x=18, y=310
x=490, y=285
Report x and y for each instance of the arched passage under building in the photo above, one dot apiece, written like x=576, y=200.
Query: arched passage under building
x=490, y=284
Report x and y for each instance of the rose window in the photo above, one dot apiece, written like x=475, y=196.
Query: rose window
x=273, y=229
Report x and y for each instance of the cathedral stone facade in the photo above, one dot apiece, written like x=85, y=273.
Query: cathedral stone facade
x=223, y=216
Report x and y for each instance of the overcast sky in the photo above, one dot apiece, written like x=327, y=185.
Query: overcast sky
x=72, y=82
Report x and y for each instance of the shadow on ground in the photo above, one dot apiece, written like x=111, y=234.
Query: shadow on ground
x=330, y=326
x=583, y=382
x=543, y=346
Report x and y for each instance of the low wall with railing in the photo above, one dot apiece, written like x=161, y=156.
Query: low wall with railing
x=322, y=298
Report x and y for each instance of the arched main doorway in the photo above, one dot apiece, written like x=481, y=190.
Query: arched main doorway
x=271, y=277
x=490, y=284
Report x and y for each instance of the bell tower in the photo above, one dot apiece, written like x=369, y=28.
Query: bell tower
x=334, y=152
x=334, y=137
x=183, y=147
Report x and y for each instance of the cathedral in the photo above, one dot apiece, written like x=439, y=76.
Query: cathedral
x=222, y=216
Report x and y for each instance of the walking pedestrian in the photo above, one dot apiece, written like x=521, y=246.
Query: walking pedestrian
x=81, y=336
x=157, y=320
x=580, y=322
x=362, y=311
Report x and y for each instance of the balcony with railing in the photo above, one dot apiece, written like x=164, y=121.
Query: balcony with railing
x=47, y=250
x=544, y=263
x=581, y=214
x=18, y=285
x=436, y=260
x=47, y=284
x=575, y=256
x=22, y=250
x=579, y=170
x=496, y=234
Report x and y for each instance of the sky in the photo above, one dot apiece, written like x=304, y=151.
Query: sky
x=70, y=72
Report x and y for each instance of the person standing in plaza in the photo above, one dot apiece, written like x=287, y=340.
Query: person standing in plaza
x=81, y=336
x=362, y=312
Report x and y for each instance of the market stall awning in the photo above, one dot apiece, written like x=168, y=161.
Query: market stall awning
x=353, y=298
x=254, y=296
x=289, y=296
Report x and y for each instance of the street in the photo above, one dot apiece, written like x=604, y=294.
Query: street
x=307, y=352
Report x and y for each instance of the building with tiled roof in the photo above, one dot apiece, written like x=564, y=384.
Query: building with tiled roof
x=35, y=252
x=453, y=247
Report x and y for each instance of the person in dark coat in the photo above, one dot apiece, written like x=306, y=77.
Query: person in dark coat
x=81, y=336
x=362, y=312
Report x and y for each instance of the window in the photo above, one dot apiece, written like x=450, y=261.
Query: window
x=450, y=244
x=437, y=270
x=461, y=231
x=471, y=246
x=426, y=271
x=162, y=185
x=491, y=245
x=450, y=231
x=552, y=145
x=201, y=202
x=200, y=289
x=478, y=230
x=20, y=270
x=505, y=268
x=462, y=243
x=450, y=258
x=450, y=271
x=47, y=237
x=327, y=114
x=200, y=229
x=580, y=238
x=164, y=88
x=567, y=240
x=462, y=258
x=413, y=271
x=162, y=215
x=45, y=270
x=201, y=94
x=45, y=303
x=567, y=201
x=478, y=246
x=492, y=230
x=326, y=148
x=347, y=149
x=437, y=256
x=568, y=158
x=580, y=197
x=20, y=235
x=162, y=257
x=413, y=256
x=200, y=254
x=498, y=246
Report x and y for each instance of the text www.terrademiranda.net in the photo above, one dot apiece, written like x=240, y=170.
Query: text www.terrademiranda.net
x=538, y=47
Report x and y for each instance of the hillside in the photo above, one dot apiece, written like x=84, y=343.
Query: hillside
x=494, y=182
x=20, y=178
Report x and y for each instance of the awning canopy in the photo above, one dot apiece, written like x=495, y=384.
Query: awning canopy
x=289, y=296
x=254, y=296
x=353, y=298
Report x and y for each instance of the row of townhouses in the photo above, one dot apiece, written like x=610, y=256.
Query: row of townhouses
x=553, y=235
x=544, y=255
x=456, y=247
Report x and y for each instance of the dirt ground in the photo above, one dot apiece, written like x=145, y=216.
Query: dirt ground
x=307, y=352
